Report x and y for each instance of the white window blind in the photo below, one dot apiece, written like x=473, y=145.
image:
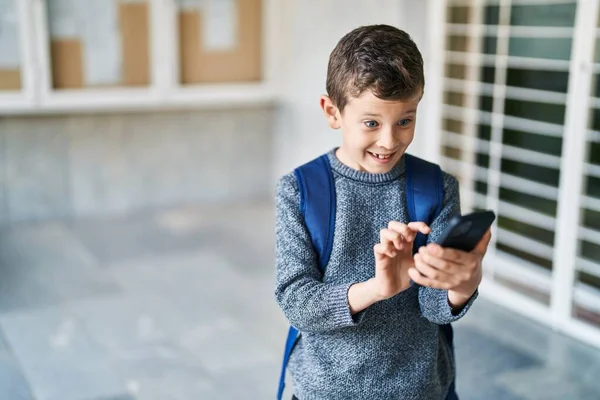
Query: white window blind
x=507, y=88
x=586, y=300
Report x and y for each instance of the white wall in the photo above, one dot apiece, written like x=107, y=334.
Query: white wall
x=69, y=166
x=309, y=34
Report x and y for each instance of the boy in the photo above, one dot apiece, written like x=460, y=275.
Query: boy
x=366, y=331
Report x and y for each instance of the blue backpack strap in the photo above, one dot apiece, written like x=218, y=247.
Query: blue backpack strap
x=424, y=199
x=290, y=342
x=424, y=193
x=317, y=206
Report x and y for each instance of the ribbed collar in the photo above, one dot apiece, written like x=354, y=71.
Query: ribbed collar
x=363, y=176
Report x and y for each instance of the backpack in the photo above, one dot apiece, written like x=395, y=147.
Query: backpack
x=424, y=198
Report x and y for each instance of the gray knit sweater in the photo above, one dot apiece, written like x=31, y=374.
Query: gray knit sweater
x=393, y=349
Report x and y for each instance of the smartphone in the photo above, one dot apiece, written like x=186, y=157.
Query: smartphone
x=465, y=231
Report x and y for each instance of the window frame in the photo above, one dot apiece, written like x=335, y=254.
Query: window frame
x=560, y=283
x=164, y=90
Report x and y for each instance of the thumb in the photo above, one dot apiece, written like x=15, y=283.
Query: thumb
x=484, y=242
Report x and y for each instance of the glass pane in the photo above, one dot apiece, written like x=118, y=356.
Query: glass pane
x=590, y=219
x=452, y=152
x=491, y=15
x=453, y=125
x=596, y=85
x=104, y=43
x=553, y=113
x=524, y=229
x=457, y=43
x=484, y=132
x=594, y=153
x=597, y=52
x=548, y=48
x=488, y=74
x=589, y=250
x=459, y=14
x=489, y=44
x=518, y=285
x=543, y=15
x=593, y=187
x=554, y=81
x=585, y=311
x=595, y=119
x=590, y=280
x=540, y=260
x=481, y=187
x=460, y=43
x=547, y=176
x=529, y=201
x=459, y=71
x=486, y=103
x=454, y=99
x=482, y=160
x=10, y=57
x=531, y=141
x=456, y=71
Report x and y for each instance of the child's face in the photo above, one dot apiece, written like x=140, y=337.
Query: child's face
x=375, y=132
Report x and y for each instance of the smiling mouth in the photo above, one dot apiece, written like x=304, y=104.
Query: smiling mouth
x=381, y=156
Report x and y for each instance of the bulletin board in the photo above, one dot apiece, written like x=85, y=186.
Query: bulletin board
x=10, y=59
x=99, y=43
x=220, y=41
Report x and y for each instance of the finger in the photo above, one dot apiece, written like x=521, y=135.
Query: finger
x=419, y=279
x=420, y=226
x=484, y=242
x=431, y=272
x=439, y=263
x=382, y=250
x=388, y=236
x=446, y=253
x=401, y=229
x=412, y=227
x=409, y=231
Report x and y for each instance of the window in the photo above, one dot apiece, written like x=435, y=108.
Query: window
x=10, y=56
x=99, y=43
x=114, y=55
x=508, y=73
x=586, y=303
x=219, y=41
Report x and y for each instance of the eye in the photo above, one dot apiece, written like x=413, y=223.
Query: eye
x=371, y=124
x=405, y=122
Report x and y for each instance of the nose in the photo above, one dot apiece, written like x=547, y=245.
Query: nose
x=386, y=138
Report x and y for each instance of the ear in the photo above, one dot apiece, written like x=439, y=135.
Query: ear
x=331, y=112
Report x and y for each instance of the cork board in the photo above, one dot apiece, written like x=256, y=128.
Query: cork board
x=67, y=68
x=10, y=79
x=99, y=44
x=135, y=47
x=239, y=64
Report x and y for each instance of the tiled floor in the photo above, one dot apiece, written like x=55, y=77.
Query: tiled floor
x=178, y=305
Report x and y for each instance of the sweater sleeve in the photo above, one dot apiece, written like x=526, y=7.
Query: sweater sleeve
x=309, y=304
x=434, y=302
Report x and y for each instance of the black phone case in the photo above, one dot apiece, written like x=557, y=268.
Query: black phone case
x=464, y=232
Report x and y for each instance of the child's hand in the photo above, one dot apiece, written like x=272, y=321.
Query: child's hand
x=393, y=257
x=457, y=271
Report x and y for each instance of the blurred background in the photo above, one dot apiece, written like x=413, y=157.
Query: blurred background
x=141, y=141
